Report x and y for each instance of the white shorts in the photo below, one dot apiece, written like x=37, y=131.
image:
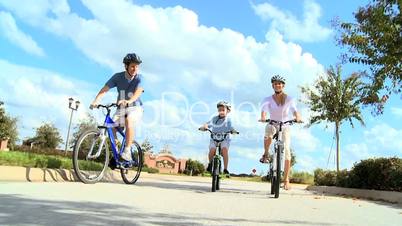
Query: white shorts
x=271, y=130
x=224, y=144
x=134, y=114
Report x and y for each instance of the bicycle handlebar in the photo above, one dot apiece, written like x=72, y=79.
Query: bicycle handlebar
x=228, y=132
x=106, y=106
x=274, y=122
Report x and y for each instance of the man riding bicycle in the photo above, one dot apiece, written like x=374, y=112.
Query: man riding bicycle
x=278, y=105
x=129, y=87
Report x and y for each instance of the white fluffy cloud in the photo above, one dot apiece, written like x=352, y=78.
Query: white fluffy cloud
x=384, y=137
x=180, y=55
x=40, y=97
x=9, y=29
x=307, y=30
x=396, y=111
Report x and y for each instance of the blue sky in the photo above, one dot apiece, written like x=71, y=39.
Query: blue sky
x=192, y=51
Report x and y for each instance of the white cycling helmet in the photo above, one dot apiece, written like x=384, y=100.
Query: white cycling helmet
x=278, y=78
x=224, y=104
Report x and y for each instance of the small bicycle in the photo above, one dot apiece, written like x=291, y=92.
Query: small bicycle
x=91, y=153
x=217, y=160
x=277, y=160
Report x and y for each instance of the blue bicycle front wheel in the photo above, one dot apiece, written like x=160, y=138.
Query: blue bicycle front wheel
x=90, y=156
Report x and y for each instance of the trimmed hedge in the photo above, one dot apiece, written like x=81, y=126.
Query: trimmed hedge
x=375, y=173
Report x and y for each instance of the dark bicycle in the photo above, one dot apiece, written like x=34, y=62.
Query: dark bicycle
x=276, y=164
x=216, y=167
x=91, y=153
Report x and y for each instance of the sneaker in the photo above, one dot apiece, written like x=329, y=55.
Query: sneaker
x=126, y=155
x=225, y=171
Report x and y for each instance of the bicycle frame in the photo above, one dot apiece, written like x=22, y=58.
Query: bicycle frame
x=278, y=146
x=107, y=127
x=218, y=153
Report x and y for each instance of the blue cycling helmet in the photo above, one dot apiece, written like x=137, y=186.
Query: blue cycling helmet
x=132, y=58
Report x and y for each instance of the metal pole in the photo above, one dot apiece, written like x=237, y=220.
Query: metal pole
x=68, y=132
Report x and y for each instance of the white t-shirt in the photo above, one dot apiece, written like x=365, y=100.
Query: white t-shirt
x=277, y=112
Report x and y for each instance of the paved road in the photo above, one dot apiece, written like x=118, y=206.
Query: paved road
x=175, y=200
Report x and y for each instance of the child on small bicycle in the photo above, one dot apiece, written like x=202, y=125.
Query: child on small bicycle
x=220, y=124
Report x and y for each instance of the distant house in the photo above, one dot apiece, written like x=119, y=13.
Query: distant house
x=3, y=145
x=165, y=162
x=30, y=142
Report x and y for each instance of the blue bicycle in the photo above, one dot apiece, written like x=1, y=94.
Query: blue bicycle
x=91, y=153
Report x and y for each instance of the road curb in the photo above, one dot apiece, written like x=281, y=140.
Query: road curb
x=388, y=196
x=29, y=174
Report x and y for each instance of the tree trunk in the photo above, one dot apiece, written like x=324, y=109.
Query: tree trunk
x=337, y=146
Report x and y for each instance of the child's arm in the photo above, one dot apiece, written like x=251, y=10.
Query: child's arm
x=208, y=124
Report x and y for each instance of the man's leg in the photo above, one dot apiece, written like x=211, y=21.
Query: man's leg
x=133, y=118
x=129, y=131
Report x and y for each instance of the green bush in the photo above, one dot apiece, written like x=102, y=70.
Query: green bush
x=301, y=178
x=53, y=163
x=343, y=179
x=374, y=173
x=152, y=170
x=194, y=168
x=324, y=178
x=377, y=173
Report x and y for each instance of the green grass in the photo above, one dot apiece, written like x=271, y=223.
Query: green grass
x=13, y=158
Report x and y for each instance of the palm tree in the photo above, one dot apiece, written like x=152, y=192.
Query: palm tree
x=334, y=100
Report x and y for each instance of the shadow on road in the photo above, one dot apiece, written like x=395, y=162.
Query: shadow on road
x=19, y=210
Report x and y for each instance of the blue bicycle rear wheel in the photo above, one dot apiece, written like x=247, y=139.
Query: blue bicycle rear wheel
x=130, y=172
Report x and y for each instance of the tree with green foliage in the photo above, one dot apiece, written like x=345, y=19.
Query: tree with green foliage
x=85, y=124
x=146, y=146
x=375, y=40
x=334, y=100
x=47, y=136
x=194, y=167
x=8, y=127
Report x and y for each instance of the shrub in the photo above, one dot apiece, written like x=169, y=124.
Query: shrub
x=377, y=173
x=326, y=178
x=374, y=173
x=301, y=178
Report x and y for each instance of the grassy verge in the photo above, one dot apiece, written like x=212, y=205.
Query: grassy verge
x=13, y=158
